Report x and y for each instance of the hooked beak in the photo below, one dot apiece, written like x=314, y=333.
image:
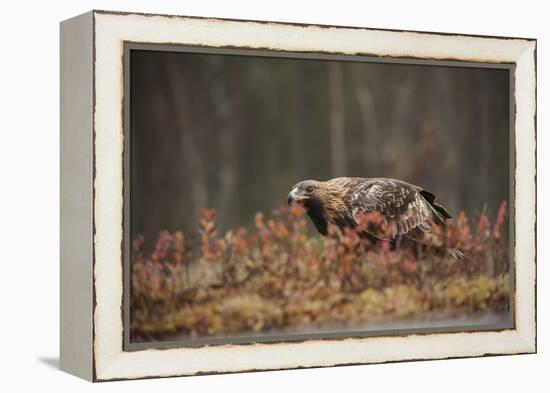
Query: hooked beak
x=295, y=196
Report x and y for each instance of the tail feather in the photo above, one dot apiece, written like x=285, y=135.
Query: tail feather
x=440, y=209
x=440, y=213
x=440, y=217
x=457, y=254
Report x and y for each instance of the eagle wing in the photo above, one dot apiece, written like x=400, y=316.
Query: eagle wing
x=401, y=205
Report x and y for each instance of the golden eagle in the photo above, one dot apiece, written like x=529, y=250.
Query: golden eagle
x=405, y=209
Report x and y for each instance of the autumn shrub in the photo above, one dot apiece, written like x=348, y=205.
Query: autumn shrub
x=276, y=275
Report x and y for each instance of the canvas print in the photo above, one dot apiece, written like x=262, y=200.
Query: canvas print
x=276, y=198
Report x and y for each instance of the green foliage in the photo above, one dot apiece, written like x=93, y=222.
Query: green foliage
x=276, y=277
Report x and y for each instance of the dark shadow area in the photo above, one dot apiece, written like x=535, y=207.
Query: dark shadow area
x=52, y=362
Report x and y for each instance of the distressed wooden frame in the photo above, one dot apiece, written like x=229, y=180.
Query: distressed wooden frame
x=92, y=193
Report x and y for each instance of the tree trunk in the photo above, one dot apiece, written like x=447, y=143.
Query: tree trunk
x=337, y=120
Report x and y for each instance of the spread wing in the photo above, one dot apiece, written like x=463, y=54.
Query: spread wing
x=401, y=206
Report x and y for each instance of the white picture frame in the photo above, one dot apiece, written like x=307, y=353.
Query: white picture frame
x=92, y=194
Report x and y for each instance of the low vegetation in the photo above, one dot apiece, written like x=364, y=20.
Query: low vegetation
x=276, y=275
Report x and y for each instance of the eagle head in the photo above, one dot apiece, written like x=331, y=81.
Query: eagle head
x=304, y=193
x=323, y=201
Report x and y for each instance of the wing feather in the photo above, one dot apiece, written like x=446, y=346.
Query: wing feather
x=401, y=205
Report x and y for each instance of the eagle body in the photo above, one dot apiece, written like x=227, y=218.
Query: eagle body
x=405, y=209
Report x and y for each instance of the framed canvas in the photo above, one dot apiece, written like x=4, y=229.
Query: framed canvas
x=245, y=195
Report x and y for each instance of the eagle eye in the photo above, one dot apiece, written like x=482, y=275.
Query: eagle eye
x=309, y=189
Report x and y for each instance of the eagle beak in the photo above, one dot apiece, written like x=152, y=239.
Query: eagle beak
x=294, y=196
x=291, y=197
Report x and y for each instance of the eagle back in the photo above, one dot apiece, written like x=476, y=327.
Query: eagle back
x=400, y=203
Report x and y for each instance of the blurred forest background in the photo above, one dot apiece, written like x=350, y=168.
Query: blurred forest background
x=234, y=133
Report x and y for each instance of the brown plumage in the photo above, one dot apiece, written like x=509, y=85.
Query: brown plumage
x=404, y=209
